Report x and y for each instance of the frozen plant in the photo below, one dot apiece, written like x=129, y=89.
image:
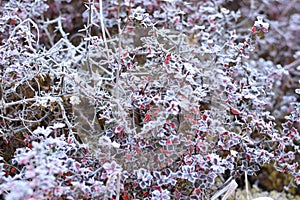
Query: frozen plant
x=146, y=99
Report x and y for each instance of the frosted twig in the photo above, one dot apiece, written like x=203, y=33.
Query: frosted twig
x=118, y=184
x=27, y=32
x=246, y=182
x=288, y=7
x=229, y=188
x=103, y=27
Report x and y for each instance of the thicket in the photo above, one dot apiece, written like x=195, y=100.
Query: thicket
x=146, y=99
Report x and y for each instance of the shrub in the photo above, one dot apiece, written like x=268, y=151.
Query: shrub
x=140, y=100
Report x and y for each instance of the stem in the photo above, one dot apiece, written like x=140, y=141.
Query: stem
x=247, y=189
x=119, y=59
x=88, y=41
x=103, y=27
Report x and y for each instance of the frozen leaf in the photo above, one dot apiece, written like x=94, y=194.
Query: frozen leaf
x=75, y=100
x=259, y=23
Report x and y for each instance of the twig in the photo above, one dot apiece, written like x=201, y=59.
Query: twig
x=118, y=184
x=103, y=27
x=5, y=105
x=229, y=187
x=66, y=120
x=246, y=182
x=292, y=65
x=88, y=42
x=119, y=61
x=286, y=10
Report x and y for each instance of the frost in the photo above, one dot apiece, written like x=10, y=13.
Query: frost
x=225, y=11
x=75, y=100
x=161, y=194
x=41, y=130
x=58, y=125
x=20, y=190
x=148, y=100
x=259, y=23
x=103, y=140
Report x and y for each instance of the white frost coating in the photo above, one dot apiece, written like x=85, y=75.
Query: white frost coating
x=75, y=100
x=229, y=189
x=259, y=22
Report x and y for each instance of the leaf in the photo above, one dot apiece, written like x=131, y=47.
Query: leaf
x=147, y=117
